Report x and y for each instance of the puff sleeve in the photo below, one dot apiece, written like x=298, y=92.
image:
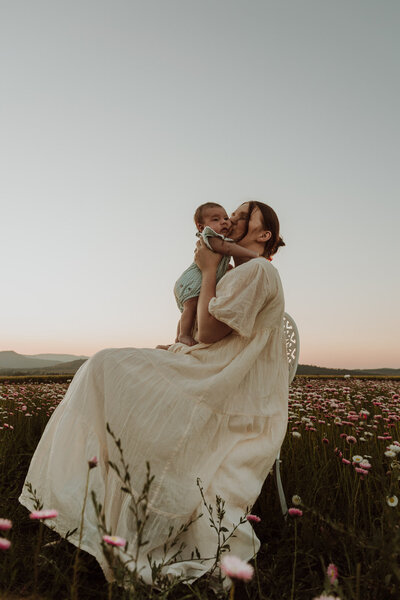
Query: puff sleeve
x=241, y=295
x=207, y=233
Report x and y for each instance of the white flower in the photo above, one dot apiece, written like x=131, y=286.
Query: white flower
x=392, y=501
x=394, y=448
x=365, y=464
x=357, y=458
x=390, y=453
x=296, y=500
x=297, y=434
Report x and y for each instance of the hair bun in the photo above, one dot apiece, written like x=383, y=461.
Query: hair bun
x=277, y=245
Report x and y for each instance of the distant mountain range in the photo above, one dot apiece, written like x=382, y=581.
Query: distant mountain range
x=12, y=363
x=57, y=357
x=313, y=370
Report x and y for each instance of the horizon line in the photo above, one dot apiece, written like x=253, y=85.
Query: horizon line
x=78, y=356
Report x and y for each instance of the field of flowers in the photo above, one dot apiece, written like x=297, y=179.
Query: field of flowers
x=340, y=471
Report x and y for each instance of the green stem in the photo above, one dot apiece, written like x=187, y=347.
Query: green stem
x=255, y=564
x=358, y=574
x=355, y=505
x=294, y=561
x=38, y=544
x=74, y=589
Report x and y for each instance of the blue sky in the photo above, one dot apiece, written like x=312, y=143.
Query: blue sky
x=119, y=118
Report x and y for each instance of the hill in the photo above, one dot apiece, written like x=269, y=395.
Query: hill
x=62, y=368
x=57, y=357
x=314, y=370
x=12, y=360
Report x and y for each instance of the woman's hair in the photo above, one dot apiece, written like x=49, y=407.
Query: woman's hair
x=271, y=223
x=198, y=215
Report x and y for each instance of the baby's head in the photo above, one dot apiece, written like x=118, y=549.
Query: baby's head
x=213, y=215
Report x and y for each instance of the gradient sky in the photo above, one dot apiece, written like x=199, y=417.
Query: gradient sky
x=118, y=118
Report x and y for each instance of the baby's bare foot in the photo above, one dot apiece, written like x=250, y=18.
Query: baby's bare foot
x=188, y=340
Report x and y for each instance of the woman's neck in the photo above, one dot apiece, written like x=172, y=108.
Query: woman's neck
x=255, y=247
x=241, y=261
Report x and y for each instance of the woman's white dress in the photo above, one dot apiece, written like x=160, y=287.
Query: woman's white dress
x=217, y=412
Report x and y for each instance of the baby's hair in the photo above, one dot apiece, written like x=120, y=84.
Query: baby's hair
x=198, y=215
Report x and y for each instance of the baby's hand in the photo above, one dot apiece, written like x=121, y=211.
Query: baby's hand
x=205, y=258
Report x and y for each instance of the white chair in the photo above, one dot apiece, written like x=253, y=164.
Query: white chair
x=292, y=351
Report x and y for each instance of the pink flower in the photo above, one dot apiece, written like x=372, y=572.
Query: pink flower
x=332, y=572
x=325, y=441
x=114, y=540
x=5, y=524
x=253, y=518
x=93, y=462
x=295, y=512
x=43, y=514
x=351, y=439
x=236, y=568
x=345, y=461
x=4, y=544
x=361, y=471
x=364, y=464
x=325, y=597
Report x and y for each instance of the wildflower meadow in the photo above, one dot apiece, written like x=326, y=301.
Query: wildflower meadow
x=340, y=467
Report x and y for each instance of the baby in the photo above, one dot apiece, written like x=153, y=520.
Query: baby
x=213, y=226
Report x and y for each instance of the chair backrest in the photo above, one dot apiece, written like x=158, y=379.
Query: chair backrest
x=292, y=344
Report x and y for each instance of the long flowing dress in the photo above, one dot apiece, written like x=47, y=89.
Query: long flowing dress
x=217, y=412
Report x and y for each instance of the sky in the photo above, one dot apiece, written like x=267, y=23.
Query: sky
x=119, y=117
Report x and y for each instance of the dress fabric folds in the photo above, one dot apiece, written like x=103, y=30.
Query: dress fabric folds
x=217, y=412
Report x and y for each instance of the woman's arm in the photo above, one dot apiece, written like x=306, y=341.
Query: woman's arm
x=230, y=248
x=209, y=329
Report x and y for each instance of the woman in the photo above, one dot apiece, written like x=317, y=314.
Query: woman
x=215, y=411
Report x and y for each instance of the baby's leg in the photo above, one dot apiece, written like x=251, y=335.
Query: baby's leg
x=186, y=323
x=178, y=331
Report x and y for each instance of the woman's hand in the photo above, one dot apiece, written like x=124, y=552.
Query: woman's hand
x=204, y=258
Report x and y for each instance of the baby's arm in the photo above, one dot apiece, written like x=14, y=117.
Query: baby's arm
x=230, y=248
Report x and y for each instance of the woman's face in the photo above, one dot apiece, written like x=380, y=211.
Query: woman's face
x=238, y=220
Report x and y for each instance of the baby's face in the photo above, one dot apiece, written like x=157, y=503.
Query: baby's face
x=217, y=219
